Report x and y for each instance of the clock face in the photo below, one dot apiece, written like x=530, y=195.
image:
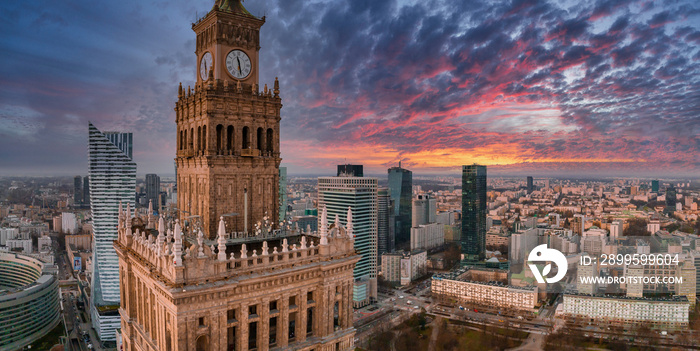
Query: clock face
x=238, y=64
x=205, y=64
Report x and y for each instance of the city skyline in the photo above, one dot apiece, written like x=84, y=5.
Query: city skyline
x=577, y=89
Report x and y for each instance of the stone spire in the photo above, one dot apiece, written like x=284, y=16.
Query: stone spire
x=121, y=215
x=221, y=241
x=324, y=227
x=128, y=214
x=151, y=218
x=337, y=224
x=277, y=87
x=161, y=226
x=128, y=231
x=348, y=225
x=177, y=246
x=159, y=242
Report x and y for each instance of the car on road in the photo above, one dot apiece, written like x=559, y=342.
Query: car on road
x=401, y=296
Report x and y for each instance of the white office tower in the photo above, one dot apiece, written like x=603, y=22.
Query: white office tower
x=69, y=224
x=616, y=229
x=584, y=280
x=521, y=243
x=427, y=236
x=634, y=282
x=112, y=173
x=335, y=195
x=424, y=210
x=688, y=286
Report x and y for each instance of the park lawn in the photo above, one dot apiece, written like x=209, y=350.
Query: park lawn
x=414, y=339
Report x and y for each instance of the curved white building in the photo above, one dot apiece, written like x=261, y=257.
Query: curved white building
x=29, y=306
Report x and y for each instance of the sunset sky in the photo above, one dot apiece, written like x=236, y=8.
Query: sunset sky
x=525, y=87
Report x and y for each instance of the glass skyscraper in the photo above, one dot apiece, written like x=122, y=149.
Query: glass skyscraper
x=473, y=237
x=385, y=221
x=77, y=190
x=153, y=190
x=112, y=173
x=336, y=194
x=401, y=186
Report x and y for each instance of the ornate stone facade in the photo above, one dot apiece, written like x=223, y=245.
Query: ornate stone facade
x=278, y=290
x=255, y=287
x=228, y=149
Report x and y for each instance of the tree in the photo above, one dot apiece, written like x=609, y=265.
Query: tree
x=637, y=227
x=453, y=254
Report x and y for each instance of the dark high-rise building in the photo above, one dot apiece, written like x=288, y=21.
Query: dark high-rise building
x=153, y=190
x=529, y=185
x=385, y=222
x=77, y=190
x=473, y=236
x=86, y=190
x=350, y=170
x=655, y=185
x=670, y=199
x=401, y=186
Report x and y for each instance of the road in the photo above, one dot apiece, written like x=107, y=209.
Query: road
x=77, y=320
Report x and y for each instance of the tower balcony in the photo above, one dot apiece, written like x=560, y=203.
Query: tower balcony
x=250, y=152
x=185, y=153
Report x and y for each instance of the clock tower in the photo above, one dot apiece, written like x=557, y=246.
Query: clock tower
x=228, y=153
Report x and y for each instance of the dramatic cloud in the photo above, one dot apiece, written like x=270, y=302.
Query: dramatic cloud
x=601, y=87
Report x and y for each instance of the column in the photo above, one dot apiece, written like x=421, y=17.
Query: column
x=347, y=303
x=302, y=316
x=283, y=320
x=239, y=328
x=243, y=326
x=264, y=325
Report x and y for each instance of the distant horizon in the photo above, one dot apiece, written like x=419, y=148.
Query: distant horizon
x=139, y=175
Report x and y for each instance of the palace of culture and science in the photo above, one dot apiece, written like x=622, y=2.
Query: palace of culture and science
x=218, y=275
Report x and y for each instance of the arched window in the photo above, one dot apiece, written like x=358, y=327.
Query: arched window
x=260, y=138
x=229, y=138
x=202, y=343
x=219, y=132
x=191, y=140
x=199, y=138
x=270, y=141
x=204, y=137
x=246, y=137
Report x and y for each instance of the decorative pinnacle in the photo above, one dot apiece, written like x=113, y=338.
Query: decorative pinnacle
x=348, y=227
x=324, y=227
x=277, y=87
x=221, y=241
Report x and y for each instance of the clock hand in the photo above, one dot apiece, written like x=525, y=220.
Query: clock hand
x=239, y=65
